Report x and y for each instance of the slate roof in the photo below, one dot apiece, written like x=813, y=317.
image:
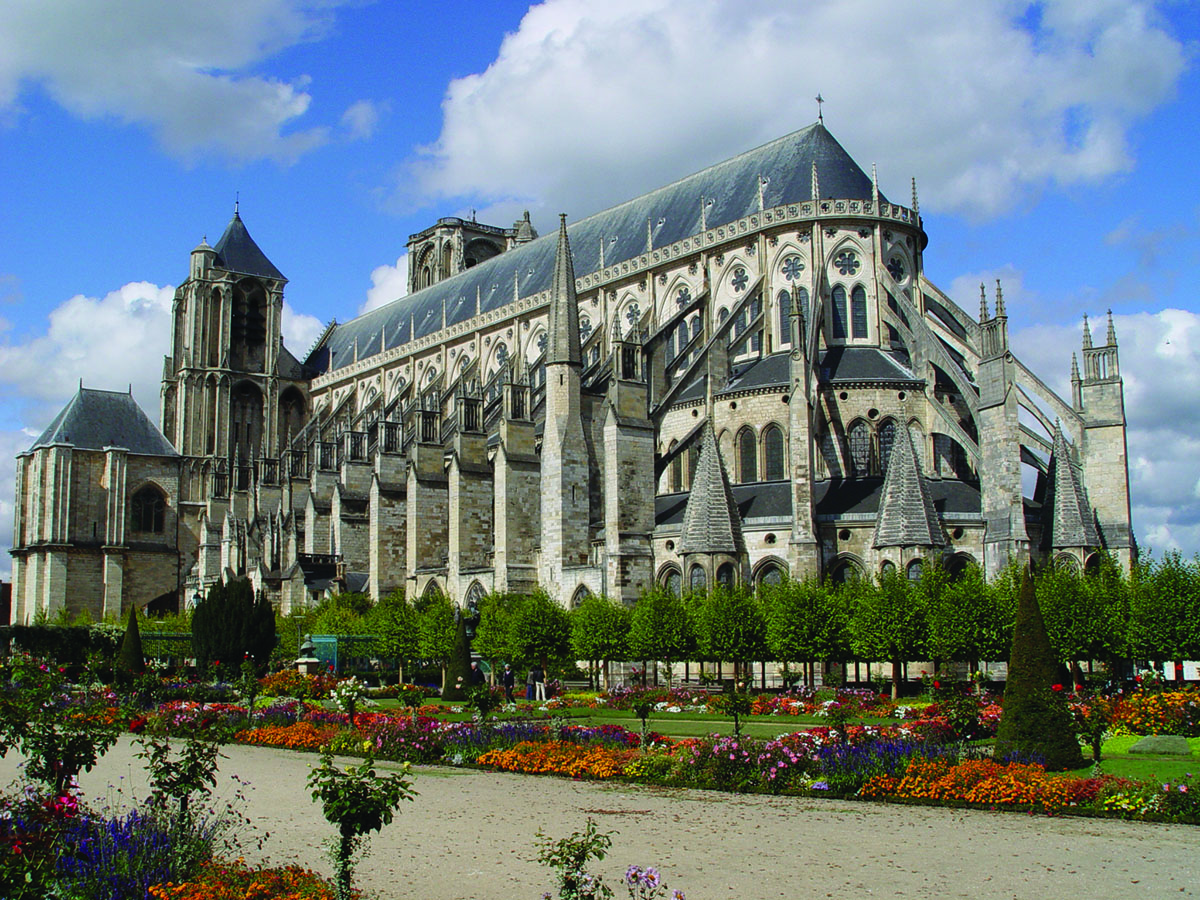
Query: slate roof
x=757, y=501
x=1065, y=508
x=863, y=364
x=858, y=496
x=237, y=252
x=907, y=517
x=730, y=189
x=711, y=521
x=770, y=371
x=93, y=420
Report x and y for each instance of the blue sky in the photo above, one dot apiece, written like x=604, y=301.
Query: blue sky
x=1054, y=146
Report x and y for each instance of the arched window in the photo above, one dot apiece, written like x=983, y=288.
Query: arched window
x=843, y=572
x=858, y=313
x=698, y=579
x=772, y=440
x=771, y=574
x=693, y=460
x=148, y=510
x=785, y=319
x=725, y=575
x=914, y=570
x=888, y=568
x=755, y=310
x=887, y=437
x=747, y=457
x=837, y=320
x=829, y=455
x=673, y=582
x=675, y=479
x=859, y=438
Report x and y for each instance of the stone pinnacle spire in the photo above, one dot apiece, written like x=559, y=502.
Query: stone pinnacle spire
x=1087, y=333
x=1000, y=300
x=907, y=516
x=711, y=521
x=983, y=308
x=563, y=346
x=1111, y=338
x=1070, y=519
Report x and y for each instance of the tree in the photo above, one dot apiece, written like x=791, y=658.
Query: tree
x=1164, y=622
x=967, y=619
x=660, y=628
x=492, y=634
x=539, y=631
x=344, y=613
x=436, y=630
x=807, y=621
x=600, y=631
x=729, y=625
x=393, y=621
x=131, y=658
x=1036, y=722
x=886, y=621
x=230, y=624
x=458, y=667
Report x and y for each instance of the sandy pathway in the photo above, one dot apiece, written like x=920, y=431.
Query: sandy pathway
x=470, y=835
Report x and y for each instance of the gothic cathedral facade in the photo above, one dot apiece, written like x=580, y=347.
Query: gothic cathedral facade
x=742, y=376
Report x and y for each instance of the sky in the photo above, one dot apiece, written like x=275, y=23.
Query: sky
x=1054, y=146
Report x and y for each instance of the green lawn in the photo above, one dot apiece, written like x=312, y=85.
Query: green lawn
x=1115, y=759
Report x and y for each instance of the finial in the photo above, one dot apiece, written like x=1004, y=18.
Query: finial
x=874, y=186
x=916, y=206
x=562, y=220
x=478, y=301
x=983, y=309
x=816, y=185
x=602, y=247
x=1087, y=334
x=703, y=215
x=649, y=235
x=820, y=113
x=444, y=307
x=762, y=203
x=999, y=299
x=1111, y=338
x=237, y=197
x=1074, y=367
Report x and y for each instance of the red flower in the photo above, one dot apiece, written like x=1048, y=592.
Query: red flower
x=1056, y=687
x=938, y=685
x=136, y=725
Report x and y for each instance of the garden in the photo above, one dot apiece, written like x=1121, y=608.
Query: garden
x=955, y=743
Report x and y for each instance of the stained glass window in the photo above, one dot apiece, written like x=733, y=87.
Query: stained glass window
x=895, y=268
x=148, y=510
x=792, y=267
x=773, y=468
x=698, y=578
x=887, y=437
x=684, y=297
x=847, y=262
x=585, y=328
x=740, y=280
x=860, y=449
x=725, y=575
x=674, y=582
x=802, y=315
x=785, y=318
x=747, y=457
x=858, y=312
x=838, y=319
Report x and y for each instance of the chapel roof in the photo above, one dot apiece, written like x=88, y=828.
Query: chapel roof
x=237, y=252
x=93, y=420
x=730, y=190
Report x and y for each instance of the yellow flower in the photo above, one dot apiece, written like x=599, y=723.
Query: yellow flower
x=367, y=746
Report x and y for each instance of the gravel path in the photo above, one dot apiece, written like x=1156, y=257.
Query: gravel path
x=470, y=836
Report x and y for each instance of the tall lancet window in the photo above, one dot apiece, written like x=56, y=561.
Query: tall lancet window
x=785, y=319
x=858, y=313
x=887, y=437
x=838, y=313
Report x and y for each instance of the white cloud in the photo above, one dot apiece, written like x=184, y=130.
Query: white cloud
x=300, y=331
x=360, y=119
x=179, y=68
x=388, y=283
x=1160, y=366
x=587, y=102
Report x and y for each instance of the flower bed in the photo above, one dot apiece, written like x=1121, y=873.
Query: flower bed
x=300, y=736
x=1168, y=712
x=237, y=881
x=559, y=758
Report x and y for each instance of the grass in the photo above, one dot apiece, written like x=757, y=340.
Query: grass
x=1115, y=759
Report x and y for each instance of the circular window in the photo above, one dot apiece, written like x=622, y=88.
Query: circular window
x=844, y=534
x=695, y=413
x=895, y=268
x=901, y=395
x=770, y=538
x=670, y=545
x=843, y=396
x=957, y=534
x=872, y=413
x=733, y=405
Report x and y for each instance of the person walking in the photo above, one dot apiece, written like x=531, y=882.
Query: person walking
x=509, y=680
x=529, y=683
x=539, y=683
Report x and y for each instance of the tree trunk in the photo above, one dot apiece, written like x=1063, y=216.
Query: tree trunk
x=896, y=676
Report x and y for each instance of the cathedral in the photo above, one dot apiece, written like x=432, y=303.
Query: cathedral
x=742, y=376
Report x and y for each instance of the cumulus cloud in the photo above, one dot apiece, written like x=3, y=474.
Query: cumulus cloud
x=360, y=119
x=1160, y=366
x=388, y=283
x=179, y=68
x=590, y=102
x=300, y=330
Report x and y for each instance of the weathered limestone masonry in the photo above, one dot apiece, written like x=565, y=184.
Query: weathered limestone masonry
x=740, y=376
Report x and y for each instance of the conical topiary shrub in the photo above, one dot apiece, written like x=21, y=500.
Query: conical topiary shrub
x=132, y=660
x=458, y=670
x=1036, y=723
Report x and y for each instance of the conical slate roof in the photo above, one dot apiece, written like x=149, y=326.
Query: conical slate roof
x=237, y=252
x=711, y=522
x=93, y=420
x=1070, y=519
x=907, y=517
x=713, y=197
x=563, y=337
